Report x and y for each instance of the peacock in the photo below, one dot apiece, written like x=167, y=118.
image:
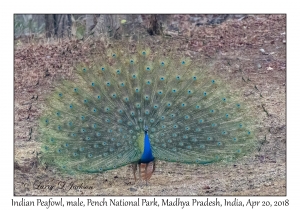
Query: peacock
x=136, y=105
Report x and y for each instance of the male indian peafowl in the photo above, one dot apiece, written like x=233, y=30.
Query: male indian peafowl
x=141, y=105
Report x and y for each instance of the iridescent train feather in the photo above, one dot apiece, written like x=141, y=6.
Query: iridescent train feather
x=96, y=122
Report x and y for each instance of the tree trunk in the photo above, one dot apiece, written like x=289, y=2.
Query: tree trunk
x=58, y=25
x=49, y=25
x=89, y=24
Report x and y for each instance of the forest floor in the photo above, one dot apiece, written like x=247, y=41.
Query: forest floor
x=255, y=45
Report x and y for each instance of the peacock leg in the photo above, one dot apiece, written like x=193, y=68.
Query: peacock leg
x=139, y=171
x=146, y=173
x=134, y=168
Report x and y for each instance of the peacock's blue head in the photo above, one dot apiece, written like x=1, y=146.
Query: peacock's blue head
x=146, y=129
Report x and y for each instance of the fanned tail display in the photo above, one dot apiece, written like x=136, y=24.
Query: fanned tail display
x=135, y=107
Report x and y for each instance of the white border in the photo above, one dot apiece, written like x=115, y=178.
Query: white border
x=152, y=6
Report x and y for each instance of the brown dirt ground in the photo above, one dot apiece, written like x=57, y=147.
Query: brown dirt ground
x=235, y=44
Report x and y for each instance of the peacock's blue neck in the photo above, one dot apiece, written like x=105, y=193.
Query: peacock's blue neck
x=147, y=155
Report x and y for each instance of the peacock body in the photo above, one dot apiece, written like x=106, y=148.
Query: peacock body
x=135, y=107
